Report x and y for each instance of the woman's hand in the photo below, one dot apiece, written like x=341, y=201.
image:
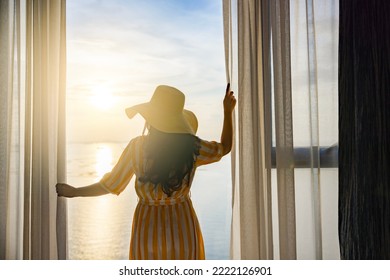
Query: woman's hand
x=65, y=190
x=229, y=102
x=227, y=130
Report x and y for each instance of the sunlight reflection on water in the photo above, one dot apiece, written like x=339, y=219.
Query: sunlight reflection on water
x=103, y=160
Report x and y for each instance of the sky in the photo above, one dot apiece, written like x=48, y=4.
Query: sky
x=119, y=51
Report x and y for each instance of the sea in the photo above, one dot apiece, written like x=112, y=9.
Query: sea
x=99, y=228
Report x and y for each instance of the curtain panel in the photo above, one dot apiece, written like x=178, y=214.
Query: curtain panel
x=251, y=224
x=252, y=228
x=364, y=96
x=280, y=30
x=314, y=64
x=285, y=156
x=32, y=128
x=10, y=138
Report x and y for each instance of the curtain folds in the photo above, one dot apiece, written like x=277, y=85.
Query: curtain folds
x=364, y=87
x=36, y=110
x=287, y=109
x=280, y=27
x=314, y=124
x=11, y=142
x=252, y=223
x=314, y=42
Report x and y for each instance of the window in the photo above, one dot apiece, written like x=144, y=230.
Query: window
x=118, y=52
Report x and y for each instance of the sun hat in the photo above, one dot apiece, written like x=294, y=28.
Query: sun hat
x=165, y=111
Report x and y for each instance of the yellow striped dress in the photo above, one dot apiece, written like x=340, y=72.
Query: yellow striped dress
x=163, y=227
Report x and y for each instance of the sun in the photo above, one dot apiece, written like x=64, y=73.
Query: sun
x=102, y=97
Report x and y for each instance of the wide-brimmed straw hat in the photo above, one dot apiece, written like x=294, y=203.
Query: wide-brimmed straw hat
x=165, y=111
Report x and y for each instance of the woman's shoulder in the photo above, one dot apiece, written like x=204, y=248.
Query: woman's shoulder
x=139, y=138
x=209, y=152
x=210, y=146
x=136, y=142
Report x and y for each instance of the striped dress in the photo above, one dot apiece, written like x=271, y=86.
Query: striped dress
x=163, y=227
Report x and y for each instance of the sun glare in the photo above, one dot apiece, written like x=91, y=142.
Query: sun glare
x=103, y=160
x=102, y=97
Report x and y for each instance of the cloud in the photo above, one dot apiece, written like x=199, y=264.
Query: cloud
x=132, y=46
x=141, y=42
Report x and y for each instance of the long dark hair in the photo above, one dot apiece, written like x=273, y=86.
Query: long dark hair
x=170, y=158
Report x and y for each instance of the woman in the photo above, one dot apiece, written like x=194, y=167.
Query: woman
x=165, y=225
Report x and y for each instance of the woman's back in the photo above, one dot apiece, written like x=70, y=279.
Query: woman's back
x=164, y=226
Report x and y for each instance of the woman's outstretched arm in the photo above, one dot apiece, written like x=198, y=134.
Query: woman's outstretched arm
x=70, y=191
x=229, y=102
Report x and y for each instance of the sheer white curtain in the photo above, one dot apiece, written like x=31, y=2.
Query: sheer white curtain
x=314, y=76
x=11, y=142
x=287, y=103
x=32, y=128
x=251, y=224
